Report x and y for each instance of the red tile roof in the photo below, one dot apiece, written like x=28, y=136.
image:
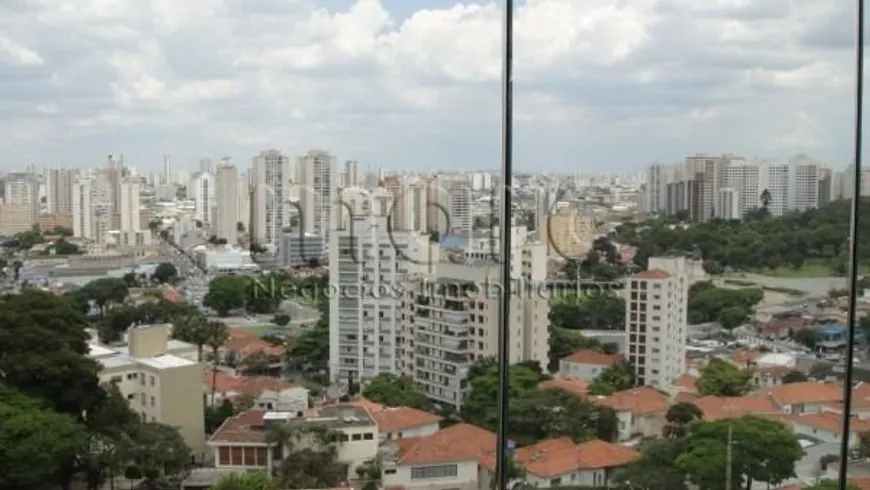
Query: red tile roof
x=246, y=344
x=721, y=407
x=460, y=442
x=652, y=274
x=593, y=357
x=575, y=386
x=402, y=418
x=246, y=427
x=249, y=385
x=554, y=457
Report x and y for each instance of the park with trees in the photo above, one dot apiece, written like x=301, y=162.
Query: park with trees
x=759, y=243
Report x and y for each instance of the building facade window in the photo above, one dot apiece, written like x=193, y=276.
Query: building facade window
x=431, y=472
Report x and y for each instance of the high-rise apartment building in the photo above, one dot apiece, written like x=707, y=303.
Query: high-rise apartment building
x=449, y=205
x=202, y=187
x=129, y=205
x=269, y=204
x=227, y=184
x=314, y=177
x=58, y=189
x=369, y=265
x=82, y=212
x=22, y=192
x=113, y=178
x=451, y=315
x=704, y=187
x=656, y=321
x=804, y=183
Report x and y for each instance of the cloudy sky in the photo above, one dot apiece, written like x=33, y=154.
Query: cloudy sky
x=601, y=85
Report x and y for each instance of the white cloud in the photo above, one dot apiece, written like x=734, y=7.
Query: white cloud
x=14, y=53
x=599, y=84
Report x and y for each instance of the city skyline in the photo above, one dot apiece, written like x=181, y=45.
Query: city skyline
x=368, y=81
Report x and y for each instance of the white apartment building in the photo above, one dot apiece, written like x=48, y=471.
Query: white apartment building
x=22, y=191
x=243, y=201
x=202, y=188
x=160, y=386
x=59, y=188
x=81, y=208
x=271, y=173
x=449, y=206
x=316, y=190
x=451, y=316
x=227, y=185
x=129, y=205
x=451, y=321
x=368, y=267
x=748, y=181
x=656, y=322
x=728, y=204
x=804, y=176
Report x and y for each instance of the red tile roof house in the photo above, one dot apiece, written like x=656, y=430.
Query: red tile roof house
x=586, y=365
x=240, y=442
x=563, y=463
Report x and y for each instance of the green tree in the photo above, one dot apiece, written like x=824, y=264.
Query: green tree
x=600, y=311
x=158, y=448
x=36, y=441
x=43, y=351
x=763, y=451
x=656, y=469
x=617, y=377
x=226, y=293
x=548, y=414
x=165, y=272
x=678, y=418
x=309, y=352
x=794, y=377
x=193, y=328
x=732, y=317
x=309, y=457
x=282, y=320
x=106, y=292
x=216, y=415
x=720, y=378
x=217, y=335
x=396, y=391
x=479, y=407
x=808, y=337
x=244, y=481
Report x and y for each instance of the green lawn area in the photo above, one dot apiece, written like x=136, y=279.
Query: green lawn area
x=740, y=283
x=810, y=269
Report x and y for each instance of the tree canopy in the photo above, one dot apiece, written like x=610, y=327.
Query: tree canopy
x=720, y=378
x=729, y=307
x=395, y=391
x=535, y=414
x=106, y=292
x=758, y=242
x=604, y=310
x=227, y=293
x=763, y=451
x=165, y=272
x=617, y=377
x=56, y=418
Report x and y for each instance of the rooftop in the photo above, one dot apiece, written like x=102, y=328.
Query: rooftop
x=652, y=274
x=593, y=357
x=250, y=426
